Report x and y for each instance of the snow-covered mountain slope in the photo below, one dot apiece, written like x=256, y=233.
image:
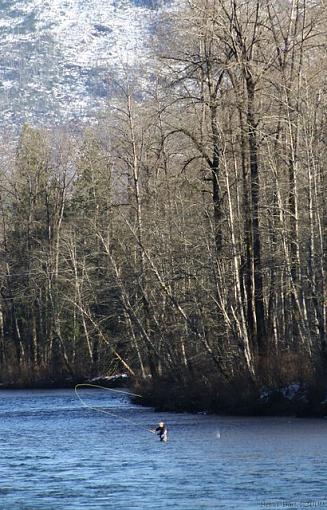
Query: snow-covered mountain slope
x=57, y=56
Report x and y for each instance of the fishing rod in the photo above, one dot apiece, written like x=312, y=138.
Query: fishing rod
x=104, y=411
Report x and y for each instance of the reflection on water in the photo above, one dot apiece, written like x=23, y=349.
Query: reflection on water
x=55, y=455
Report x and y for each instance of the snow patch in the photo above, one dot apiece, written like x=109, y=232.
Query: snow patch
x=57, y=54
x=291, y=391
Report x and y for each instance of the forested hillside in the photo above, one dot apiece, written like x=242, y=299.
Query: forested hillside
x=181, y=239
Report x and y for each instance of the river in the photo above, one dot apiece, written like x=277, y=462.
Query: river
x=58, y=455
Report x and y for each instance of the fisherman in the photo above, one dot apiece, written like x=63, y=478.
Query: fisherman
x=162, y=431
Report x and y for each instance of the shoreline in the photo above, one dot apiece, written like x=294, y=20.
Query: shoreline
x=119, y=380
x=294, y=400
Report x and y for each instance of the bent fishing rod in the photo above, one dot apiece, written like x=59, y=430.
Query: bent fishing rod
x=105, y=411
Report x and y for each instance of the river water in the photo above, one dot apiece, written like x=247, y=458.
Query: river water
x=56, y=454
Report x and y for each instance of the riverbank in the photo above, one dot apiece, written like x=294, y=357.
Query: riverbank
x=203, y=396
x=114, y=381
x=295, y=399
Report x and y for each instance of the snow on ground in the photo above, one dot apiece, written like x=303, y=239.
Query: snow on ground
x=57, y=57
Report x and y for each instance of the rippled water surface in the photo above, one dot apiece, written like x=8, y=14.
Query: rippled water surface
x=57, y=455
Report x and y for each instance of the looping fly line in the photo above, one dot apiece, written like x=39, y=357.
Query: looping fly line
x=104, y=411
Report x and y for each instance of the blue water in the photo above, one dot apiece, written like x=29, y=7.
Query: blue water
x=57, y=455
